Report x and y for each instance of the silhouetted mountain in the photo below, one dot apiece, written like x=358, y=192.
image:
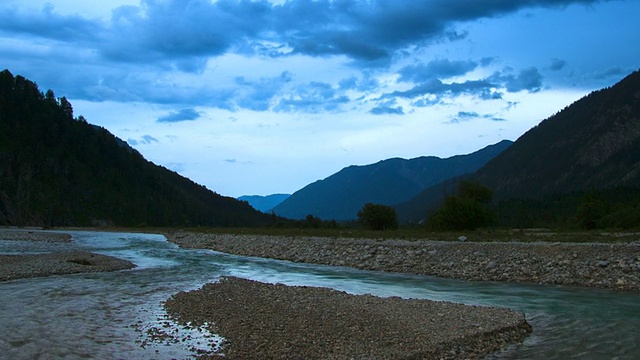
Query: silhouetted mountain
x=387, y=182
x=59, y=170
x=264, y=203
x=592, y=144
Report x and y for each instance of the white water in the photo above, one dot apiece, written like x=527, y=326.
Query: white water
x=106, y=315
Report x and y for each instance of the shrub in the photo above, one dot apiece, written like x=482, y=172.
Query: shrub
x=378, y=217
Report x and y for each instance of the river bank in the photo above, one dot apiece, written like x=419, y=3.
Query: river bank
x=268, y=321
x=14, y=267
x=609, y=266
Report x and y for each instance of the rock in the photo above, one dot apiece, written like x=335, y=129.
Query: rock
x=603, y=263
x=462, y=238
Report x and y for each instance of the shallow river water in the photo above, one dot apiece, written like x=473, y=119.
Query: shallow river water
x=106, y=315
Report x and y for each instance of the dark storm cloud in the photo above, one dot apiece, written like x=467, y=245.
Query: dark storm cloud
x=177, y=29
x=49, y=25
x=371, y=30
x=167, y=30
x=178, y=116
x=182, y=36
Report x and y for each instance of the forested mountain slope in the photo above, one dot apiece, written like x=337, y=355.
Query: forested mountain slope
x=592, y=144
x=59, y=170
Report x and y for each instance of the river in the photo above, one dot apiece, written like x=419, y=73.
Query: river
x=108, y=315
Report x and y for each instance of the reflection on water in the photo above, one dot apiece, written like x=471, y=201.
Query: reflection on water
x=106, y=315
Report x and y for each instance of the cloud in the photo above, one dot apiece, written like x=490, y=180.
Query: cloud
x=482, y=88
x=490, y=88
x=258, y=95
x=236, y=161
x=436, y=69
x=177, y=29
x=366, y=83
x=118, y=59
x=384, y=110
x=181, y=33
x=143, y=140
x=49, y=25
x=176, y=166
x=528, y=79
x=178, y=116
x=557, y=64
x=463, y=116
x=387, y=107
x=612, y=71
x=312, y=97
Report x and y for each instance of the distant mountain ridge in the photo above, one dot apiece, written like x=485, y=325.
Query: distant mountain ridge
x=390, y=181
x=57, y=170
x=264, y=203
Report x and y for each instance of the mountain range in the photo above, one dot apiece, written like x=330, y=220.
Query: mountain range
x=388, y=182
x=592, y=144
x=59, y=170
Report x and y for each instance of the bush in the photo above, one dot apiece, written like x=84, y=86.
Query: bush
x=467, y=211
x=592, y=211
x=378, y=217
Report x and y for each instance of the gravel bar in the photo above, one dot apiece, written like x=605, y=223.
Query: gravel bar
x=41, y=236
x=266, y=321
x=609, y=266
x=30, y=266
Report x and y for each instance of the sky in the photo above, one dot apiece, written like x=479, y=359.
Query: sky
x=264, y=96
